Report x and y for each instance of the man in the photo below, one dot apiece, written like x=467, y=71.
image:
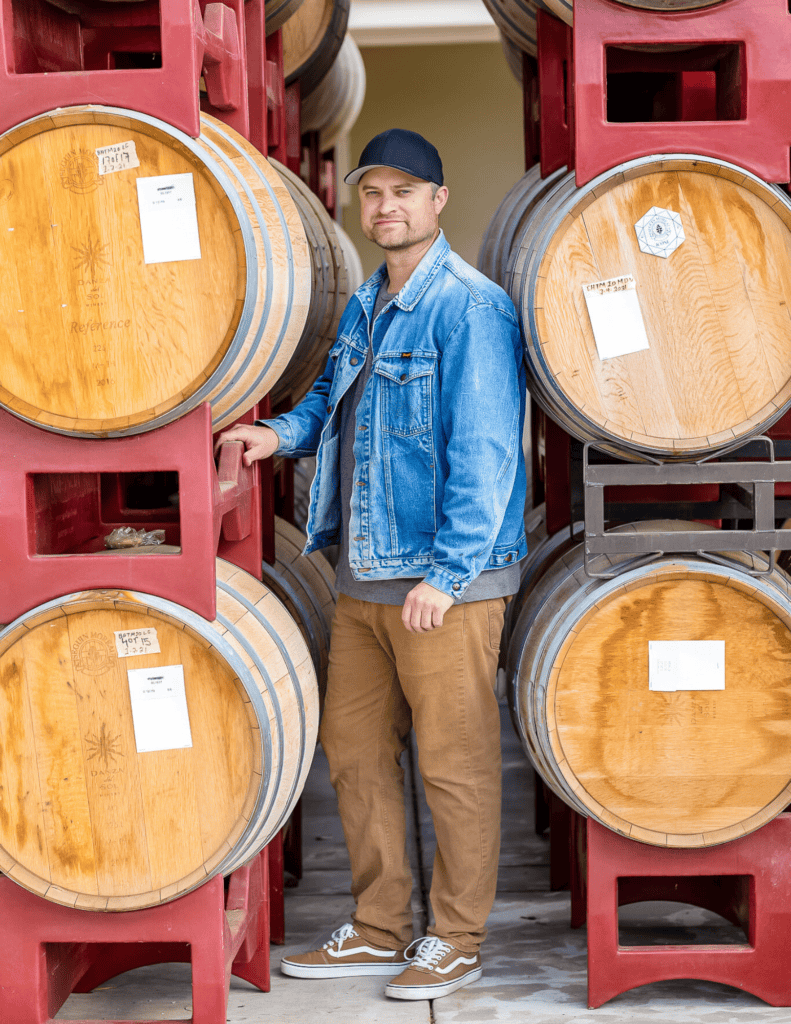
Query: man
x=417, y=426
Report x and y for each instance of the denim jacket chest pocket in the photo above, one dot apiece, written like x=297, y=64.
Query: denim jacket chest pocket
x=406, y=382
x=348, y=362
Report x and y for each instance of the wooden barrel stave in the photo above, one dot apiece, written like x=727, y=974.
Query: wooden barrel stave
x=329, y=292
x=333, y=107
x=306, y=586
x=277, y=13
x=258, y=368
x=268, y=622
x=559, y=696
x=188, y=813
x=516, y=20
x=312, y=39
x=646, y=402
x=510, y=221
x=159, y=338
x=543, y=550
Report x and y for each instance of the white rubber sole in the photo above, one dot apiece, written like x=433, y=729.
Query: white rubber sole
x=295, y=970
x=433, y=991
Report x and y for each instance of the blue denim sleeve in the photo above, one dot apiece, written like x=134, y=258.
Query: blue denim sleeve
x=300, y=430
x=482, y=390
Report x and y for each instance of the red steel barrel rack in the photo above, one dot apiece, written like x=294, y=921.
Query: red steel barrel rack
x=737, y=110
x=150, y=57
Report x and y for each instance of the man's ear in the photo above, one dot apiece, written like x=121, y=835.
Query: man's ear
x=441, y=198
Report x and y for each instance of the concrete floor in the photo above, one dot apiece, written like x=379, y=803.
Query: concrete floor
x=534, y=963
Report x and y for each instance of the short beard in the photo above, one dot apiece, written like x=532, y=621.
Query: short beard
x=408, y=243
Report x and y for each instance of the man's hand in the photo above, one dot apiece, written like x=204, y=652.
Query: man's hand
x=259, y=442
x=424, y=608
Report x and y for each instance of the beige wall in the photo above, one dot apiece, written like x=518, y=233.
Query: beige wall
x=462, y=98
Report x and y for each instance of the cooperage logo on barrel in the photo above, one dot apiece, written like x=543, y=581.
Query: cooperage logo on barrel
x=91, y=256
x=92, y=654
x=659, y=232
x=79, y=172
x=105, y=747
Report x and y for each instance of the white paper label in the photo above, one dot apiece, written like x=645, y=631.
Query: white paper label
x=129, y=643
x=168, y=218
x=686, y=665
x=120, y=157
x=615, y=316
x=159, y=708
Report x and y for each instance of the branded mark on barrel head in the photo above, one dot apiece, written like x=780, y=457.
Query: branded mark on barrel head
x=79, y=172
x=6, y=190
x=673, y=710
x=92, y=255
x=104, y=748
x=93, y=654
x=87, y=326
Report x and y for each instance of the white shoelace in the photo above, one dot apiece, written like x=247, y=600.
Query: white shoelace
x=429, y=952
x=340, y=935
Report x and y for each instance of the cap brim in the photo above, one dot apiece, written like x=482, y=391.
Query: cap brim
x=354, y=176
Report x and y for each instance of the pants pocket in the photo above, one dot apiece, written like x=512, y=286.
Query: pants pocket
x=496, y=608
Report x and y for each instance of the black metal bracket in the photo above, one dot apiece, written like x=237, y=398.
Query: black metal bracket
x=750, y=486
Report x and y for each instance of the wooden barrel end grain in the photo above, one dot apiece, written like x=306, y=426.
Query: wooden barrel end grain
x=101, y=813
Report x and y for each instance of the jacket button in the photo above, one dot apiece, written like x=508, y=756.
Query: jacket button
x=360, y=483
x=403, y=376
x=354, y=362
x=329, y=408
x=509, y=558
x=457, y=586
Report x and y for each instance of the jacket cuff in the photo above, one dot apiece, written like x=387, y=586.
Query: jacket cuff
x=283, y=431
x=448, y=582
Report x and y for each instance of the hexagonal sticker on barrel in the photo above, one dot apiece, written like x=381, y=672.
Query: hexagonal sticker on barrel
x=659, y=232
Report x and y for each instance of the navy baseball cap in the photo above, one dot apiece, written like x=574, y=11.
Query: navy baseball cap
x=403, y=150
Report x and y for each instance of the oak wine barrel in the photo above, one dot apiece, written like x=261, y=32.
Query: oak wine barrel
x=509, y=221
x=334, y=105
x=513, y=57
x=543, y=550
x=306, y=586
x=130, y=778
x=304, y=472
x=354, y=265
x=132, y=345
x=329, y=291
x=687, y=768
x=516, y=18
x=668, y=6
x=277, y=13
x=717, y=368
x=312, y=38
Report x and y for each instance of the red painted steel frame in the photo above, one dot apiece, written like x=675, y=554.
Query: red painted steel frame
x=219, y=513
x=226, y=58
x=49, y=951
x=28, y=579
x=169, y=92
x=760, y=141
x=758, y=898
x=555, y=78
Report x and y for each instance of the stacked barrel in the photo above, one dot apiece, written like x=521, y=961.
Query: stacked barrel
x=149, y=271
x=701, y=241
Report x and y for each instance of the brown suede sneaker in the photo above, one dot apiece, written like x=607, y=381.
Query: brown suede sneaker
x=437, y=969
x=346, y=954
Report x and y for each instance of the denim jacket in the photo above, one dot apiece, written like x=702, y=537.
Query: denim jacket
x=439, y=485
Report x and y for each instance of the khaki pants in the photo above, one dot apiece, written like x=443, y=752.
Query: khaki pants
x=384, y=680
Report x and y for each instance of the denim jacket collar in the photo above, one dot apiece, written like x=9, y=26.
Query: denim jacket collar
x=414, y=289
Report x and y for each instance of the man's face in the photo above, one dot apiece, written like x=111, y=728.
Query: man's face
x=398, y=211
